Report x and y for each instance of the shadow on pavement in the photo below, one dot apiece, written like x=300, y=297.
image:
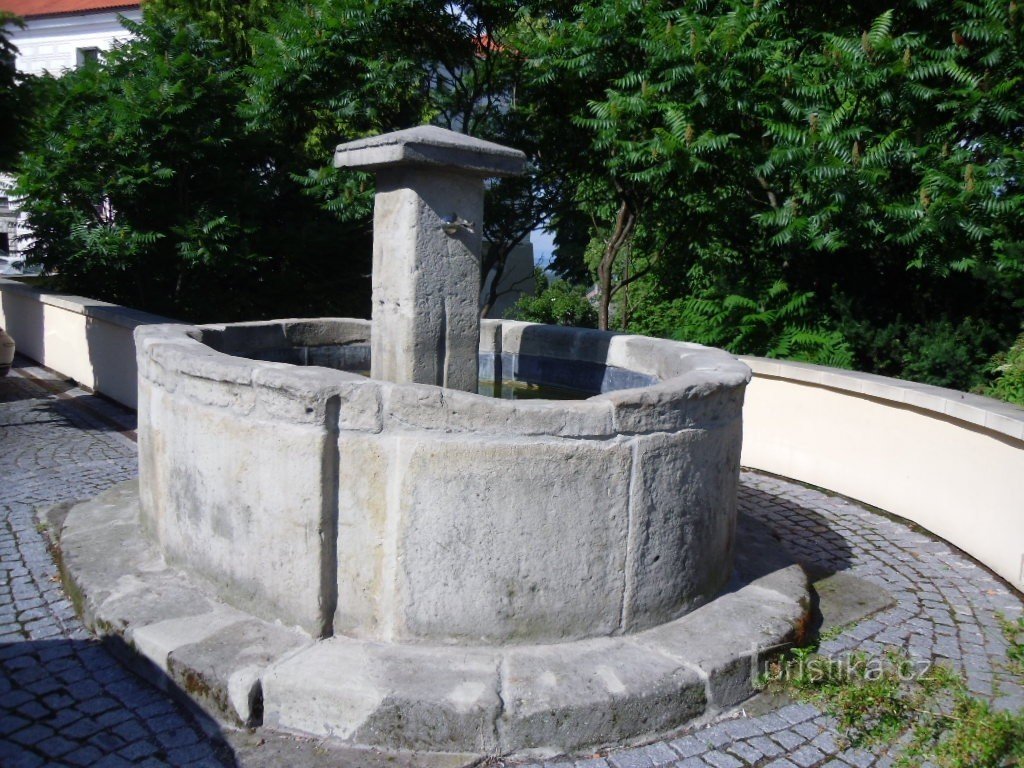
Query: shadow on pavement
x=70, y=702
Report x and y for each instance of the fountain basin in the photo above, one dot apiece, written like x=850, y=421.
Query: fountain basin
x=320, y=498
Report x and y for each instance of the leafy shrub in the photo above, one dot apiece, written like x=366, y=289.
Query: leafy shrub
x=1007, y=369
x=942, y=352
x=777, y=323
x=556, y=303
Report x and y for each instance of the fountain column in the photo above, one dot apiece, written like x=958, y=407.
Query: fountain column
x=427, y=219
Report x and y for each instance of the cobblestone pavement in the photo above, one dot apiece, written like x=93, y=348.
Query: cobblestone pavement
x=65, y=700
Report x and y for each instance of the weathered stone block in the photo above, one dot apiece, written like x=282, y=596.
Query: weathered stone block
x=425, y=281
x=682, y=523
x=239, y=499
x=699, y=399
x=562, y=697
x=429, y=408
x=397, y=697
x=223, y=669
x=510, y=541
x=728, y=638
x=366, y=536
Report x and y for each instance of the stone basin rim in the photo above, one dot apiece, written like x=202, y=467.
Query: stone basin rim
x=681, y=372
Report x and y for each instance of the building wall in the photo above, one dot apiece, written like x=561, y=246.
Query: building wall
x=517, y=280
x=51, y=44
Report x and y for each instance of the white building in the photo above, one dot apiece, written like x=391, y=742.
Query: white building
x=63, y=34
x=58, y=35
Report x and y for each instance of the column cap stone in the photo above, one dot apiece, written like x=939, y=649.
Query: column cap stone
x=428, y=145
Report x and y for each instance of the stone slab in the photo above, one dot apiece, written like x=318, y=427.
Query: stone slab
x=844, y=599
x=433, y=146
x=223, y=671
x=167, y=623
x=391, y=696
x=730, y=638
x=562, y=697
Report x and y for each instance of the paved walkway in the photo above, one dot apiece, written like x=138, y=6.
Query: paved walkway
x=65, y=700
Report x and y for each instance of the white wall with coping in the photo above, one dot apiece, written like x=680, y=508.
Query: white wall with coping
x=948, y=461
x=90, y=341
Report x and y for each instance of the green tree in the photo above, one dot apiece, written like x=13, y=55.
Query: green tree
x=15, y=101
x=143, y=186
x=868, y=159
x=321, y=74
x=200, y=154
x=232, y=22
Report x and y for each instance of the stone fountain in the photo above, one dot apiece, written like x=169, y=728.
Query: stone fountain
x=398, y=561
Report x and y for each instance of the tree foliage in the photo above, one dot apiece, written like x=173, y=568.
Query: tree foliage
x=144, y=186
x=557, y=302
x=190, y=171
x=16, y=98
x=838, y=184
x=867, y=159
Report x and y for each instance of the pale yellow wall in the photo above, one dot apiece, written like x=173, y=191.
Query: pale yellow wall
x=88, y=341
x=963, y=482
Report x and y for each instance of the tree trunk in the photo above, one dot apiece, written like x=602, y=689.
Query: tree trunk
x=625, y=221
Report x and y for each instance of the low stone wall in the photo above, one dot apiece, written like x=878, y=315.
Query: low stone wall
x=951, y=462
x=457, y=517
x=90, y=341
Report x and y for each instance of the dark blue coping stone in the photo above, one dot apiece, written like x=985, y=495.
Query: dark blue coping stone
x=579, y=375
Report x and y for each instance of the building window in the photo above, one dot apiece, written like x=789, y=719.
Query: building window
x=87, y=56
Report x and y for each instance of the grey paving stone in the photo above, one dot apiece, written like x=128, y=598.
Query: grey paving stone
x=826, y=742
x=806, y=756
x=743, y=728
x=789, y=740
x=660, y=753
x=798, y=713
x=689, y=746
x=766, y=746
x=631, y=758
x=722, y=760
x=746, y=752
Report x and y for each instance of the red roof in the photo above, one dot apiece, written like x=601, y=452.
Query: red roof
x=30, y=8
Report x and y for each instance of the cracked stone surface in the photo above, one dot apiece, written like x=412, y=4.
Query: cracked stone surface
x=66, y=700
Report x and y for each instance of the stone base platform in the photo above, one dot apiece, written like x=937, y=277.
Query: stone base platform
x=542, y=699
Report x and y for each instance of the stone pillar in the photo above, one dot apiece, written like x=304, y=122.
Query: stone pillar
x=427, y=222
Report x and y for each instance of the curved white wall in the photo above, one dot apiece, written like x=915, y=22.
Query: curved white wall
x=951, y=462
